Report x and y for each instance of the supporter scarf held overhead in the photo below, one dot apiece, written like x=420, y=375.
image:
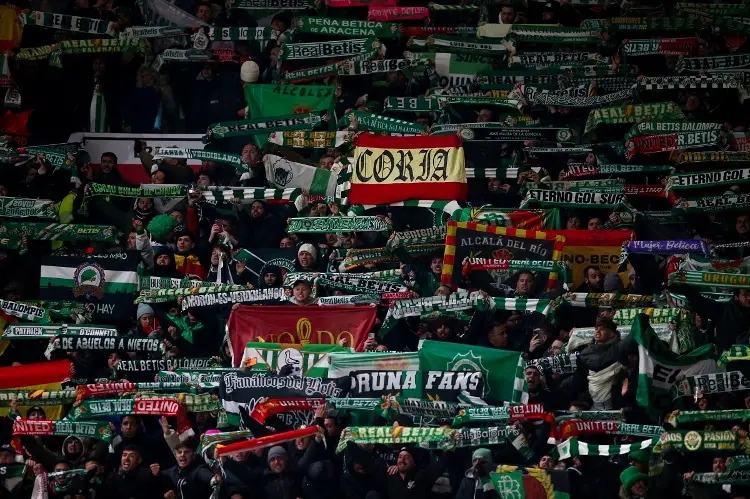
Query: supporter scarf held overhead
x=392, y=169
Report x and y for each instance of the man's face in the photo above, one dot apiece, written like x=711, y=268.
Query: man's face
x=498, y=336
x=269, y=278
x=603, y=334
x=301, y=292
x=525, y=284
x=203, y=180
x=215, y=256
x=184, y=456
x=158, y=178
x=184, y=243
x=743, y=224
x=7, y=457
x=257, y=210
x=639, y=489
x=574, y=223
x=131, y=240
x=277, y=464
x=436, y=265
x=331, y=427
x=107, y=164
x=326, y=162
x=74, y=446
x=484, y=116
x=286, y=243
x=533, y=378
x=546, y=463
x=163, y=260
x=35, y=415
x=178, y=216
x=249, y=154
x=507, y=15
x=556, y=347
x=443, y=291
x=594, y=224
x=129, y=460
x=594, y=279
x=306, y=259
x=743, y=298
x=204, y=13
x=405, y=462
x=129, y=426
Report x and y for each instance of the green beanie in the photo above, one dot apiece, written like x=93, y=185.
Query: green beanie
x=160, y=227
x=630, y=476
x=483, y=455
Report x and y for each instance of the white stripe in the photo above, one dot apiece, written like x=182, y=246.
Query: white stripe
x=123, y=277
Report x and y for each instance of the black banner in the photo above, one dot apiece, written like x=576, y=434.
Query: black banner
x=433, y=385
x=241, y=391
x=479, y=244
x=517, y=134
x=108, y=343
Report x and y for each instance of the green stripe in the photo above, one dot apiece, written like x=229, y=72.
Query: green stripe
x=320, y=181
x=109, y=287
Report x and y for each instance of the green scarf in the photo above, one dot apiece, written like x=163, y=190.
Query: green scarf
x=37, y=332
x=24, y=311
x=25, y=208
x=608, y=186
x=256, y=126
x=99, y=430
x=714, y=156
x=321, y=225
x=735, y=353
x=553, y=98
x=151, y=32
x=579, y=428
x=144, y=191
x=352, y=283
x=727, y=477
x=725, y=202
x=588, y=415
x=555, y=364
x=572, y=448
x=567, y=199
x=348, y=28
x=528, y=305
x=688, y=417
x=703, y=179
x=480, y=100
x=426, y=438
x=247, y=296
x=37, y=397
x=201, y=377
x=606, y=300
x=205, y=402
x=615, y=25
x=165, y=364
x=12, y=470
x=340, y=300
x=312, y=140
x=325, y=50
x=76, y=47
x=202, y=155
x=432, y=235
x=633, y=113
x=709, y=279
x=355, y=68
x=543, y=59
x=534, y=33
x=700, y=440
x=147, y=283
x=458, y=46
x=273, y=5
x=415, y=307
x=14, y=235
x=499, y=414
x=713, y=63
x=411, y=104
x=660, y=127
x=660, y=46
x=68, y=23
x=81, y=342
x=364, y=121
x=237, y=34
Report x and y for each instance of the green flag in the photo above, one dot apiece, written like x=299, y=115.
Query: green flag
x=659, y=368
x=502, y=370
x=282, y=100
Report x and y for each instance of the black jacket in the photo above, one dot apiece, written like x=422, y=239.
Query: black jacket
x=193, y=482
x=137, y=484
x=417, y=484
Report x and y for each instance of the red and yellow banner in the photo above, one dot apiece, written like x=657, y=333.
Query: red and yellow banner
x=469, y=239
x=393, y=169
x=300, y=324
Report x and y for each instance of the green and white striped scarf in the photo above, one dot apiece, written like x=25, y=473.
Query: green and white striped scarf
x=606, y=299
x=313, y=140
x=447, y=207
x=68, y=23
x=703, y=179
x=247, y=195
x=737, y=477
x=251, y=34
x=146, y=283
x=344, y=300
x=431, y=235
x=346, y=27
x=144, y=191
x=572, y=448
x=151, y=32
x=688, y=417
x=354, y=68
x=411, y=104
x=353, y=283
x=633, y=113
x=713, y=63
x=534, y=33
x=415, y=307
x=539, y=305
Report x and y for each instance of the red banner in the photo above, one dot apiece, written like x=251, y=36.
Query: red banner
x=41, y=373
x=397, y=13
x=300, y=324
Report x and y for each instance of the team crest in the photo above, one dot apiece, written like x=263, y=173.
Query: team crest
x=88, y=281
